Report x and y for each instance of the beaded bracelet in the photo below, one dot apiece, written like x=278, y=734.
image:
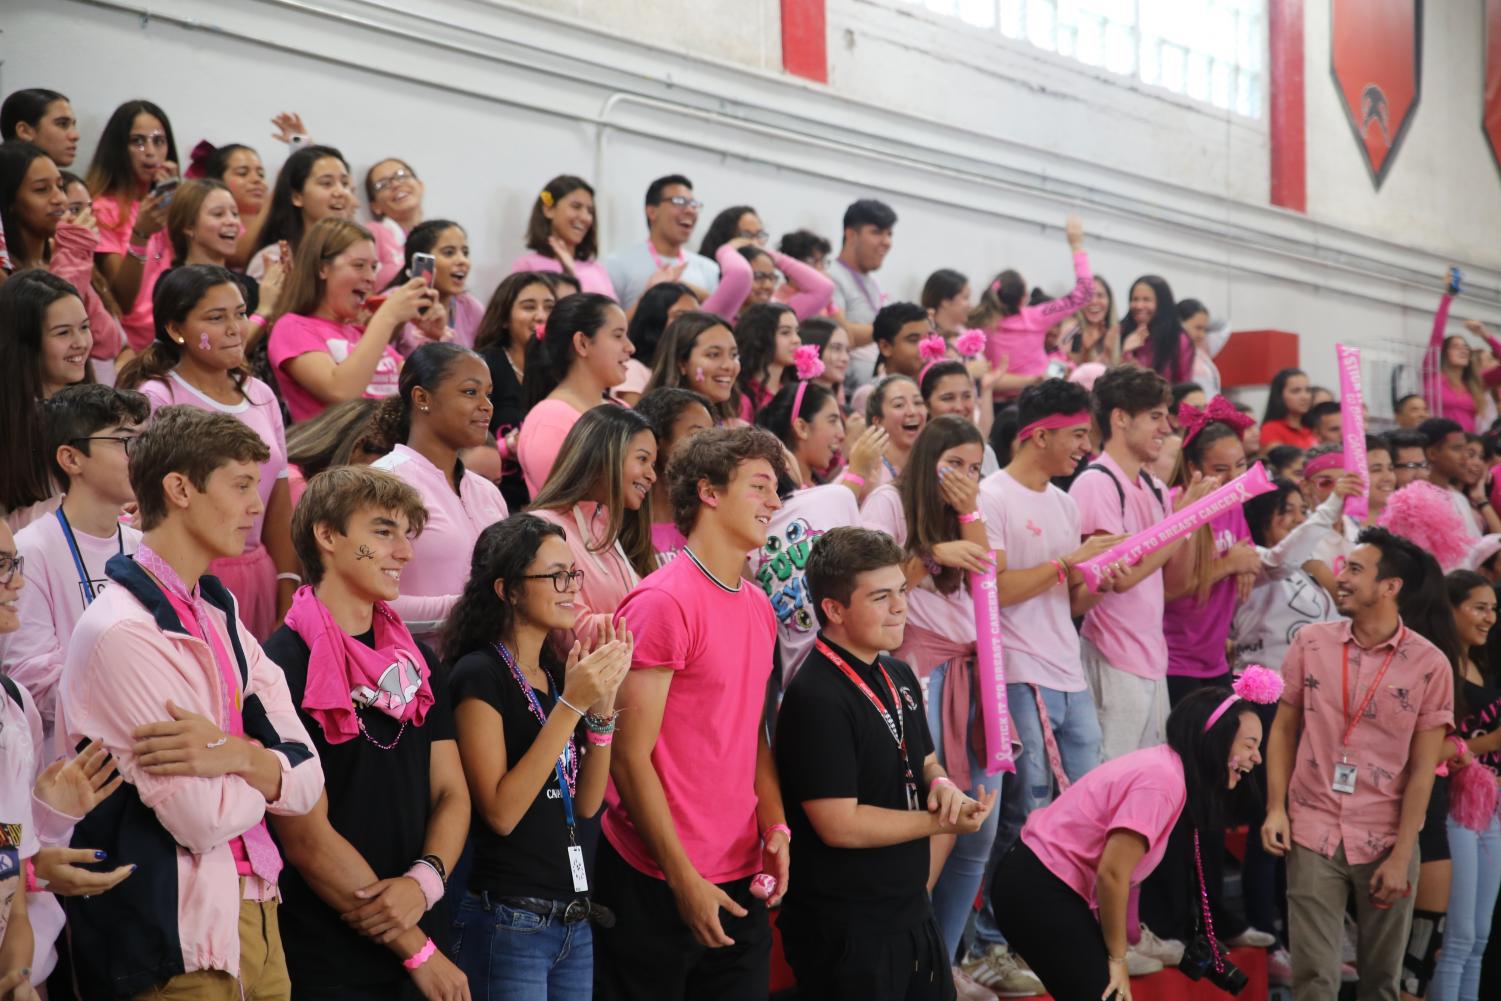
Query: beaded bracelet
x=600, y=724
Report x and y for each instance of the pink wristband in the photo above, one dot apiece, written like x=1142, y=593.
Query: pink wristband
x=854, y=478
x=33, y=885
x=600, y=739
x=422, y=955
x=774, y=828
x=942, y=780
x=427, y=878
x=971, y=518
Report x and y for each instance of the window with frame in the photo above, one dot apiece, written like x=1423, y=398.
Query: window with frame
x=1212, y=51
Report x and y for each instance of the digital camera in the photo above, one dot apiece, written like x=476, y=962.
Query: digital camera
x=1198, y=964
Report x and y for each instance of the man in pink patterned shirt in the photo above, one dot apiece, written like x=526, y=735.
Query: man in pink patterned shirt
x=1346, y=799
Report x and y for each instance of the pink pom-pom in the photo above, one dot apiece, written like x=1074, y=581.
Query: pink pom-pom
x=807, y=362
x=763, y=885
x=1473, y=796
x=933, y=348
x=970, y=343
x=1423, y=513
x=1259, y=684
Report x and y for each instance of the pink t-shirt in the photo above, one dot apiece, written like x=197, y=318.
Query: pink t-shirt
x=1142, y=792
x=114, y=238
x=718, y=643
x=591, y=275
x=608, y=575
x=442, y=553
x=1458, y=405
x=778, y=566
x=1196, y=633
x=52, y=601
x=294, y=336
x=541, y=439
x=1125, y=626
x=1032, y=527
x=258, y=412
x=940, y=627
x=666, y=540
x=1018, y=340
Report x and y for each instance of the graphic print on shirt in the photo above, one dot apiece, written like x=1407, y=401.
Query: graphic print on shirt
x=95, y=586
x=397, y=687
x=781, y=574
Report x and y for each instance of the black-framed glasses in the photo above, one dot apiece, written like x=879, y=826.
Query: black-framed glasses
x=683, y=201
x=390, y=179
x=9, y=567
x=561, y=579
x=1410, y=465
x=127, y=442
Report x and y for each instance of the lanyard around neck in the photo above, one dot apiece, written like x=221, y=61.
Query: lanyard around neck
x=84, y=580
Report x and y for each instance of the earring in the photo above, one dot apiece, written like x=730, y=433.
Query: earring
x=203, y=341
x=423, y=409
x=179, y=340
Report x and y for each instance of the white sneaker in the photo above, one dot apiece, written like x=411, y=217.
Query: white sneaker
x=1253, y=938
x=1167, y=951
x=967, y=990
x=997, y=970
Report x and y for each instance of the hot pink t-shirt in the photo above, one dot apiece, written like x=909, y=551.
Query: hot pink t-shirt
x=1196, y=633
x=294, y=336
x=1032, y=527
x=591, y=275
x=541, y=439
x=718, y=643
x=1018, y=340
x=1125, y=626
x=939, y=626
x=258, y=411
x=114, y=238
x=1142, y=792
x=442, y=553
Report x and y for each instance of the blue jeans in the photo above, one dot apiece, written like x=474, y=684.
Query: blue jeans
x=1076, y=727
x=511, y=955
x=954, y=894
x=1472, y=901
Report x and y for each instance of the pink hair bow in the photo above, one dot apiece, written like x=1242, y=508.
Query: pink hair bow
x=809, y=365
x=1218, y=410
x=970, y=343
x=933, y=348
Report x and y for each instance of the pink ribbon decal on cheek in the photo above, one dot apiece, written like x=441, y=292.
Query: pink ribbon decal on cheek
x=1352, y=424
x=1251, y=483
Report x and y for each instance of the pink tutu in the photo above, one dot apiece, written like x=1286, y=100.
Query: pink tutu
x=251, y=578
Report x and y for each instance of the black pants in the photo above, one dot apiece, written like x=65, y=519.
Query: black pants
x=650, y=955
x=1050, y=926
x=836, y=962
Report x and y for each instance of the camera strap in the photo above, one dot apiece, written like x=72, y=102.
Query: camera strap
x=1204, y=915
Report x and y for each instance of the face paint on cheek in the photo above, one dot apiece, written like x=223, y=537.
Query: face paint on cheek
x=698, y=374
x=203, y=341
x=364, y=552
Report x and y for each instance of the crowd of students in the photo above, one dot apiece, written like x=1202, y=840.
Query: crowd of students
x=327, y=584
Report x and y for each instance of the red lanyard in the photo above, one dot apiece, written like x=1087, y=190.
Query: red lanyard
x=898, y=728
x=1351, y=722
x=657, y=258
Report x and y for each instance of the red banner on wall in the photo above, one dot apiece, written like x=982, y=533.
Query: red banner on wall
x=1490, y=121
x=1376, y=54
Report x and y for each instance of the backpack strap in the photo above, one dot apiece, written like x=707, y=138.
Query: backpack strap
x=12, y=689
x=1120, y=491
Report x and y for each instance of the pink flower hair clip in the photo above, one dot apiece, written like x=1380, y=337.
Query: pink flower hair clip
x=807, y=362
x=970, y=343
x=933, y=348
x=1256, y=684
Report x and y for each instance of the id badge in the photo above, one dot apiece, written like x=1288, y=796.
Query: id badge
x=1344, y=777
x=912, y=801
x=576, y=863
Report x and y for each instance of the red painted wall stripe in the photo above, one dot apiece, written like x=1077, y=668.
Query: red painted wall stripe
x=1285, y=97
x=805, y=39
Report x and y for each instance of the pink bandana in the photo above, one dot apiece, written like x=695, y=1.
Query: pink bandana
x=338, y=664
x=1319, y=463
x=1053, y=422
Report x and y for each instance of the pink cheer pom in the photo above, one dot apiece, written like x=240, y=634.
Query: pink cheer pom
x=970, y=343
x=763, y=885
x=1472, y=796
x=1259, y=684
x=807, y=362
x=933, y=348
x=1421, y=512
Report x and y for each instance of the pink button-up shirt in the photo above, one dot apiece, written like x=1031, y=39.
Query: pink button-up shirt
x=1416, y=694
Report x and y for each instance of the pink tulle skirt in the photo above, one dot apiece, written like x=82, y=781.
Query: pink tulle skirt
x=251, y=578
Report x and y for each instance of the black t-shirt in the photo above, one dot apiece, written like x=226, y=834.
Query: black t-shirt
x=1483, y=705
x=832, y=744
x=377, y=800
x=506, y=399
x=532, y=861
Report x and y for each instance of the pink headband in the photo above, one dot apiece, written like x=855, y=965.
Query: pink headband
x=1319, y=463
x=1258, y=684
x=1053, y=422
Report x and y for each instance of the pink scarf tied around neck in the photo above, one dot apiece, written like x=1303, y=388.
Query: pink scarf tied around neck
x=338, y=664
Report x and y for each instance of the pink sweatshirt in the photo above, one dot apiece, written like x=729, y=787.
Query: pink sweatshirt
x=122, y=668
x=591, y=275
x=73, y=260
x=808, y=290
x=1019, y=340
x=734, y=284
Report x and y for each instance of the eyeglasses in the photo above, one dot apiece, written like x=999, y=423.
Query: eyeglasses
x=127, y=442
x=763, y=276
x=9, y=567
x=139, y=142
x=760, y=236
x=563, y=581
x=1410, y=465
x=386, y=182
x=683, y=201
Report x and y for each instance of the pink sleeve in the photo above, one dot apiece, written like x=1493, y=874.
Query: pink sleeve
x=301, y=771
x=882, y=512
x=660, y=628
x=157, y=392
x=1433, y=357
x=135, y=674
x=1294, y=671
x=114, y=231
x=1098, y=503
x=33, y=655
x=734, y=283
x=52, y=827
x=1437, y=707
x=1045, y=314
x=1147, y=811
x=292, y=337
x=538, y=453
x=814, y=288
x=993, y=507
x=73, y=261
x=599, y=277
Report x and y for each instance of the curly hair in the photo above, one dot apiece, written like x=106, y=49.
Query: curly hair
x=712, y=456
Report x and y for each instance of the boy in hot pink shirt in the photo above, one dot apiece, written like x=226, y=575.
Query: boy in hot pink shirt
x=89, y=428
x=199, y=720
x=1346, y=796
x=694, y=809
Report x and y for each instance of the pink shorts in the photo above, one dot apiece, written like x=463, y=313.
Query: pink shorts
x=251, y=578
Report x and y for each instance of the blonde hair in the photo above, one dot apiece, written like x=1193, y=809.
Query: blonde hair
x=187, y=202
x=305, y=287
x=338, y=494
